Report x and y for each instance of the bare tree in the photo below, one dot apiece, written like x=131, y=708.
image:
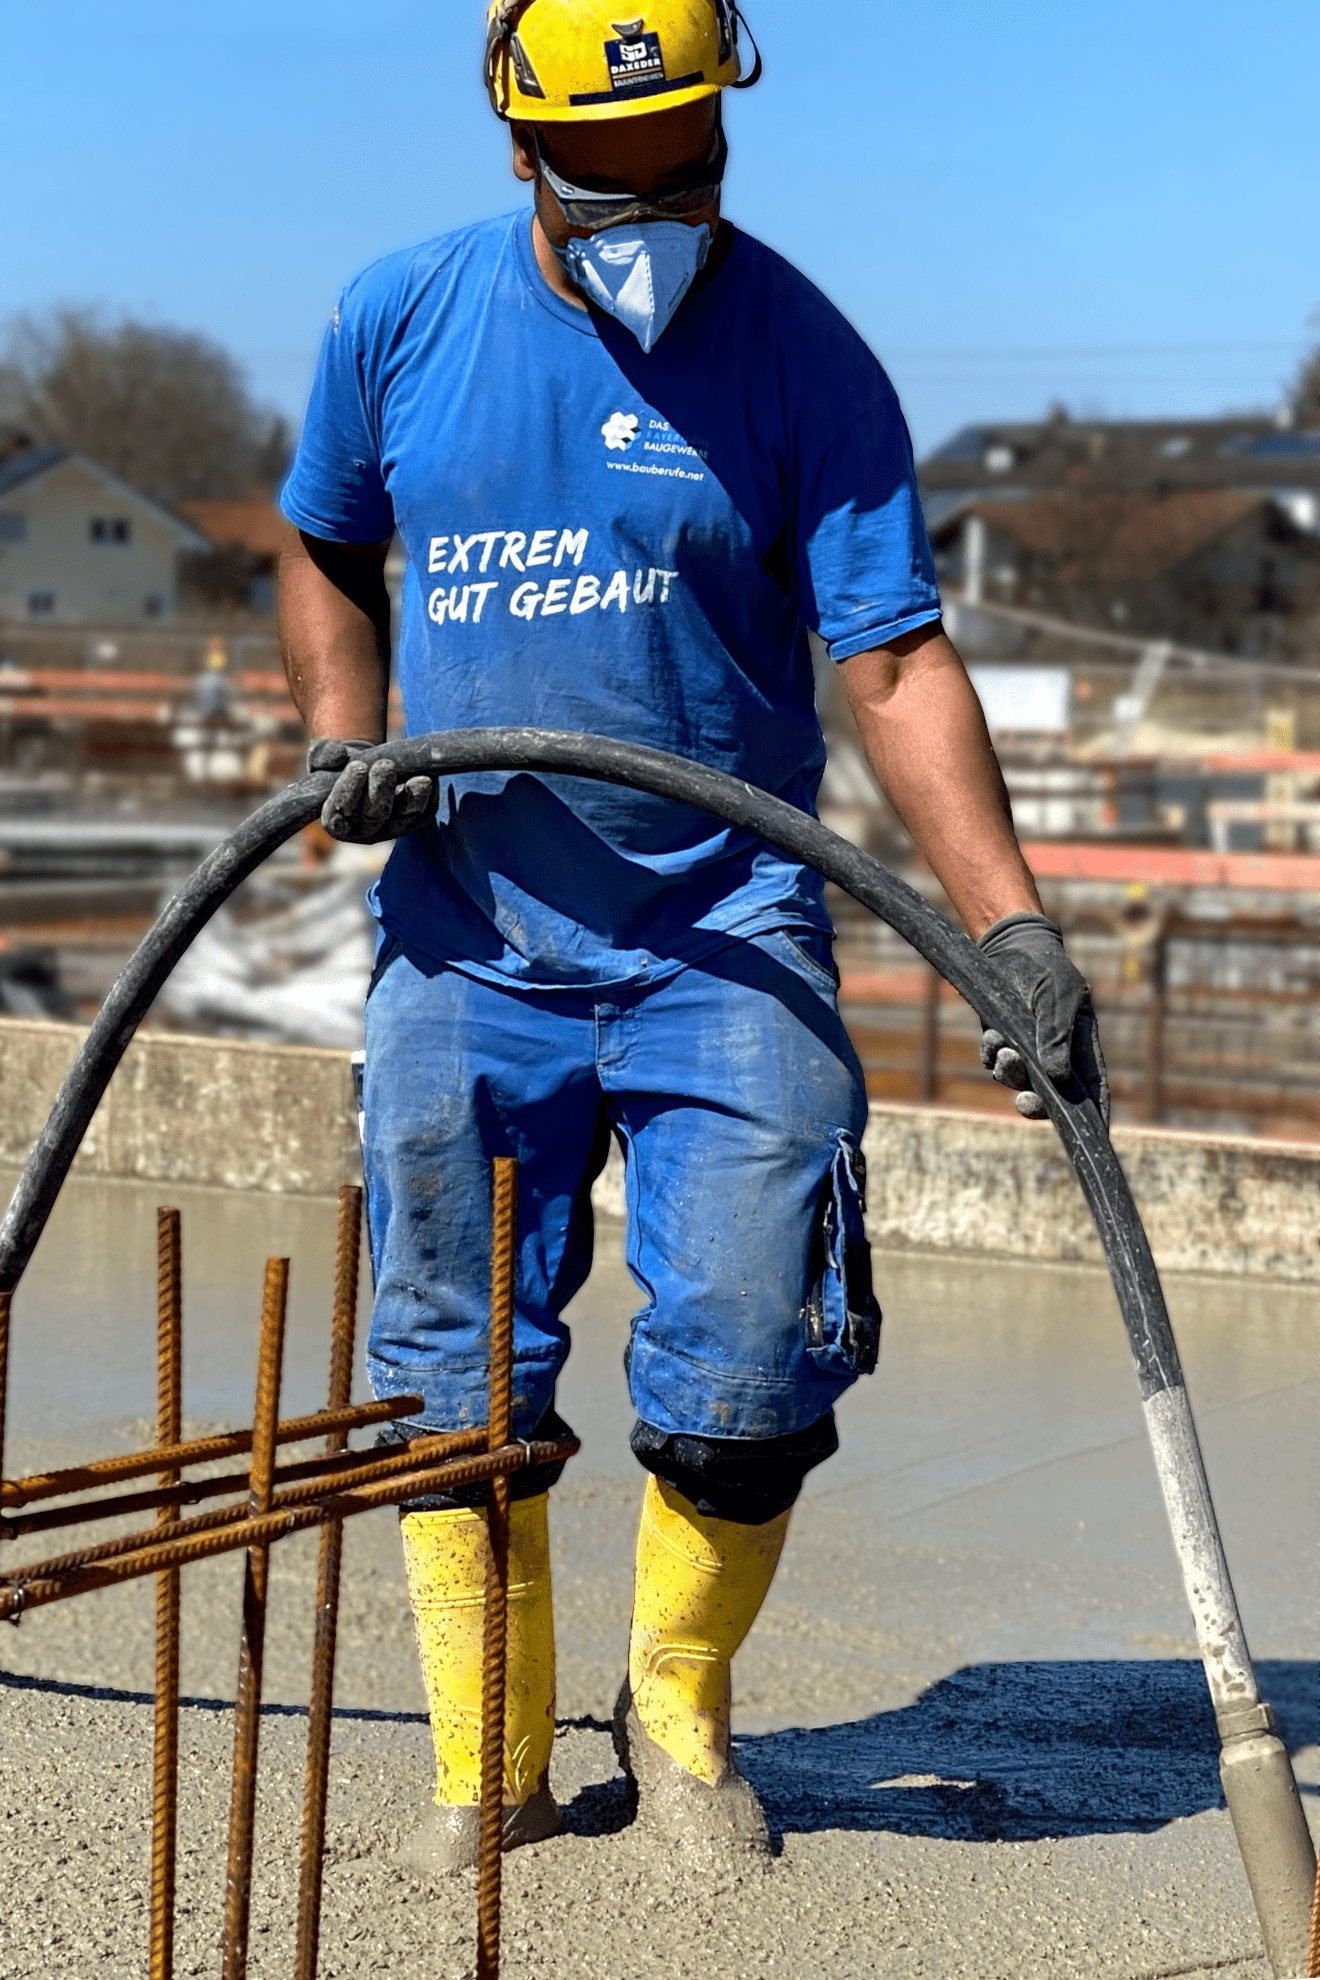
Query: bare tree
x=168, y=410
x=1306, y=392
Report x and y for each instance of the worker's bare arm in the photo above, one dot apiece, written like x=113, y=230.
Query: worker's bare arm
x=335, y=641
x=925, y=738
x=335, y=634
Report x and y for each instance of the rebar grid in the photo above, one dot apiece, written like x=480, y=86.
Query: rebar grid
x=139, y=1554
x=504, y=1217
x=198, y=1450
x=169, y=1430
x=345, y=1465
x=321, y=1475
x=329, y=1488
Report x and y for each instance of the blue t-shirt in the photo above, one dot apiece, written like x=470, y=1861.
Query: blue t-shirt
x=606, y=541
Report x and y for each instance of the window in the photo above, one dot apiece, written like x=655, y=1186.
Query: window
x=41, y=604
x=13, y=526
x=110, y=529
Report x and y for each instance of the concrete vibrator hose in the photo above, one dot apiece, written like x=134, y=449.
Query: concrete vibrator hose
x=1259, y=1785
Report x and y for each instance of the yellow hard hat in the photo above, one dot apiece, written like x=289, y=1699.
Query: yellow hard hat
x=581, y=61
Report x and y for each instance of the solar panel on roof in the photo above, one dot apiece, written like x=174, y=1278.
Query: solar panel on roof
x=1287, y=444
x=968, y=444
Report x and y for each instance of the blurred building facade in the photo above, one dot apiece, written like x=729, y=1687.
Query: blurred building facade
x=1205, y=532
x=78, y=546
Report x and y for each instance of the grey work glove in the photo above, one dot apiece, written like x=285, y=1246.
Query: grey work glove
x=1028, y=950
x=368, y=803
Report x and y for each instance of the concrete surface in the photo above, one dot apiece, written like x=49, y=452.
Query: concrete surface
x=971, y=1704
x=217, y=1112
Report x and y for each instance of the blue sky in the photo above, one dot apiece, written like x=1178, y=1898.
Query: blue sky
x=1014, y=201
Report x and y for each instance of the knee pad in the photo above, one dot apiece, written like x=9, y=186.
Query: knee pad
x=747, y=1479
x=528, y=1483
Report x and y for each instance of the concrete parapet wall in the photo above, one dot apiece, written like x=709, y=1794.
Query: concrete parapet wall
x=279, y=1117
x=946, y=1181
x=212, y=1111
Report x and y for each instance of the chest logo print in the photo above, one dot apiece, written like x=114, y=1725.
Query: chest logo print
x=620, y=430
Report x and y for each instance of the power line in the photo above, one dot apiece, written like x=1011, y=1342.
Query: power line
x=966, y=353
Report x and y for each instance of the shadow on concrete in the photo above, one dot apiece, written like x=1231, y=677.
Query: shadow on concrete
x=1020, y=1752
x=994, y=1752
x=65, y=1688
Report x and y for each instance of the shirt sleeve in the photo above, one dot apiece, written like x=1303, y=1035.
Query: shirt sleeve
x=336, y=488
x=865, y=572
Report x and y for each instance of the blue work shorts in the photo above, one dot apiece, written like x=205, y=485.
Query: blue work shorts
x=739, y=1105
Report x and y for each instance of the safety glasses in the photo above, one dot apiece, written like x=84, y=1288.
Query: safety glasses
x=687, y=193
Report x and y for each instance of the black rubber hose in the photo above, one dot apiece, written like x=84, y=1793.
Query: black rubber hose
x=1258, y=1779
x=781, y=825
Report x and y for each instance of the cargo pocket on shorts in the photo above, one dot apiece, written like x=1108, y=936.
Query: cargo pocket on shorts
x=841, y=1316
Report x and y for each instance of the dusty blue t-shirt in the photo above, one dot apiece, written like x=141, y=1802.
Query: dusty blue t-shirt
x=607, y=541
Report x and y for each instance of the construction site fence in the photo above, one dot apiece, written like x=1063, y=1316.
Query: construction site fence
x=1208, y=1022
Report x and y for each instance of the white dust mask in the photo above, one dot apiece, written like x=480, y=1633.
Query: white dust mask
x=638, y=274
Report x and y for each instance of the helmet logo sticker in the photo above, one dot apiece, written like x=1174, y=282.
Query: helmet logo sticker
x=620, y=430
x=634, y=62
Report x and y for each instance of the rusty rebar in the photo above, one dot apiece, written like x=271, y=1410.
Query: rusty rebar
x=317, y=1480
x=503, y=1260
x=44, y=1582
x=1313, y=1950
x=198, y=1450
x=323, y=1474
x=503, y=1284
x=86, y=1512
x=169, y=1430
x=321, y=1706
x=247, y=1710
x=343, y=1325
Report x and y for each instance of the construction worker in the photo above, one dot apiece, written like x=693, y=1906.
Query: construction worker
x=633, y=457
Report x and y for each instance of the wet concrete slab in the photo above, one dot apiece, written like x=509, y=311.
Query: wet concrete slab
x=971, y=1704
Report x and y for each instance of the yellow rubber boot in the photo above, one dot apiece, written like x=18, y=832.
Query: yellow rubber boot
x=700, y=1584
x=445, y=1555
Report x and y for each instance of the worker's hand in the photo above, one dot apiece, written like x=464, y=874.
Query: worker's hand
x=1028, y=950
x=368, y=803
